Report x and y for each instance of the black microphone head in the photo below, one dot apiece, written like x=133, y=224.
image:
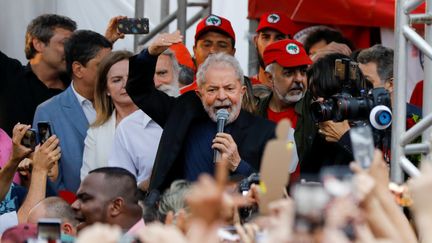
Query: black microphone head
x=222, y=114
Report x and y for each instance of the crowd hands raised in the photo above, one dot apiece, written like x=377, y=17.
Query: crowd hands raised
x=205, y=205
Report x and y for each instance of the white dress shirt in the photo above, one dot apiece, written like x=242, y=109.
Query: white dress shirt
x=86, y=105
x=136, y=141
x=97, y=146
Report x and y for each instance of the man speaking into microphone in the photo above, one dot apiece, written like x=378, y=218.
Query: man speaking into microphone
x=190, y=134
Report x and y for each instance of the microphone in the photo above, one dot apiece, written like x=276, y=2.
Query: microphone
x=221, y=118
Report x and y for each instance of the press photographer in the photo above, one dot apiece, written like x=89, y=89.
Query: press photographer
x=338, y=99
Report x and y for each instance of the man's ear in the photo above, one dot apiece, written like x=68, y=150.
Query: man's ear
x=77, y=69
x=388, y=85
x=116, y=207
x=68, y=229
x=194, y=49
x=233, y=51
x=38, y=45
x=269, y=76
x=243, y=89
x=199, y=92
x=255, y=40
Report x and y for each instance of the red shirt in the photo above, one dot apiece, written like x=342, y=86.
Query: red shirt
x=292, y=116
x=417, y=95
x=277, y=116
x=191, y=87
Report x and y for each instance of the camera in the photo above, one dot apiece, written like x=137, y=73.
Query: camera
x=373, y=104
x=246, y=183
x=246, y=213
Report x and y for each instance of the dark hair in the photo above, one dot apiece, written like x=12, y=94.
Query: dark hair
x=103, y=104
x=328, y=35
x=382, y=57
x=83, y=46
x=186, y=75
x=42, y=28
x=121, y=182
x=323, y=82
x=216, y=31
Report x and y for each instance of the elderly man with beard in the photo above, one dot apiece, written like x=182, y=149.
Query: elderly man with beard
x=167, y=73
x=286, y=63
x=189, y=121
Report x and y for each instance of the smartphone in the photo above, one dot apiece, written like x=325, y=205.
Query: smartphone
x=29, y=139
x=49, y=229
x=44, y=131
x=133, y=26
x=363, y=145
x=310, y=199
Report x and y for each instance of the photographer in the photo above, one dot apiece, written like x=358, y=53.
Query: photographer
x=329, y=142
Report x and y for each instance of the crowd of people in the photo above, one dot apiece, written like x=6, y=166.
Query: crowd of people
x=130, y=154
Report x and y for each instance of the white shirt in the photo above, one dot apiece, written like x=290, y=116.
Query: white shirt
x=136, y=141
x=98, y=143
x=86, y=106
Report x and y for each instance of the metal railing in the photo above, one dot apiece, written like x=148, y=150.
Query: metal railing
x=183, y=23
x=400, y=136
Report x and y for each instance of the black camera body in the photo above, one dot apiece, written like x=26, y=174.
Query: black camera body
x=373, y=105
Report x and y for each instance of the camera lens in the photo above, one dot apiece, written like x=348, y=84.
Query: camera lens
x=322, y=111
x=351, y=108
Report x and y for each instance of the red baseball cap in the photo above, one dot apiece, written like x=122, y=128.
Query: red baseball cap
x=287, y=53
x=183, y=55
x=214, y=22
x=280, y=22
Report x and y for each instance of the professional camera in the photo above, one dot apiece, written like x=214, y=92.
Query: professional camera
x=373, y=105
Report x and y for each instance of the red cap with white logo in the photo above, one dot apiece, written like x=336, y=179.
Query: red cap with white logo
x=287, y=53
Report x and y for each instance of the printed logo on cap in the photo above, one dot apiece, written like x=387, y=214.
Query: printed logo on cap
x=213, y=20
x=273, y=18
x=292, y=49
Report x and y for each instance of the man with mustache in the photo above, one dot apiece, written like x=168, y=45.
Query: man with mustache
x=189, y=121
x=167, y=73
x=272, y=27
x=286, y=63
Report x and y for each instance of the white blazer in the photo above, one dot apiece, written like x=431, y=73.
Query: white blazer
x=98, y=145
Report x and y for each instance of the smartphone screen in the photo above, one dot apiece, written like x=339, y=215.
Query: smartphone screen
x=133, y=26
x=362, y=145
x=29, y=139
x=44, y=131
x=49, y=229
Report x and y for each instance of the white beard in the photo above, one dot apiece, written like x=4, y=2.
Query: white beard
x=289, y=98
x=171, y=90
x=234, y=111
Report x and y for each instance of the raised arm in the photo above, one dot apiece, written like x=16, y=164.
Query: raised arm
x=140, y=85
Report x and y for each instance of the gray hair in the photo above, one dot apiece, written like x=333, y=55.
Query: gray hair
x=382, y=57
x=173, y=199
x=219, y=59
x=56, y=207
x=270, y=68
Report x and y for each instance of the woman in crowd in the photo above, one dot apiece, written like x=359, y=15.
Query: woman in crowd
x=112, y=104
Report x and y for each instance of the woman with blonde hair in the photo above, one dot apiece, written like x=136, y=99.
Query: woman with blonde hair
x=112, y=104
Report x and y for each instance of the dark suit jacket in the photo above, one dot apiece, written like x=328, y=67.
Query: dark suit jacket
x=177, y=115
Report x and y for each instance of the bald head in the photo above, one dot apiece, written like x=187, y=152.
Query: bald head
x=52, y=207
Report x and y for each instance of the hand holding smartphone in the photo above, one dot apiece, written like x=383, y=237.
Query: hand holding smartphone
x=133, y=26
x=363, y=145
x=44, y=131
